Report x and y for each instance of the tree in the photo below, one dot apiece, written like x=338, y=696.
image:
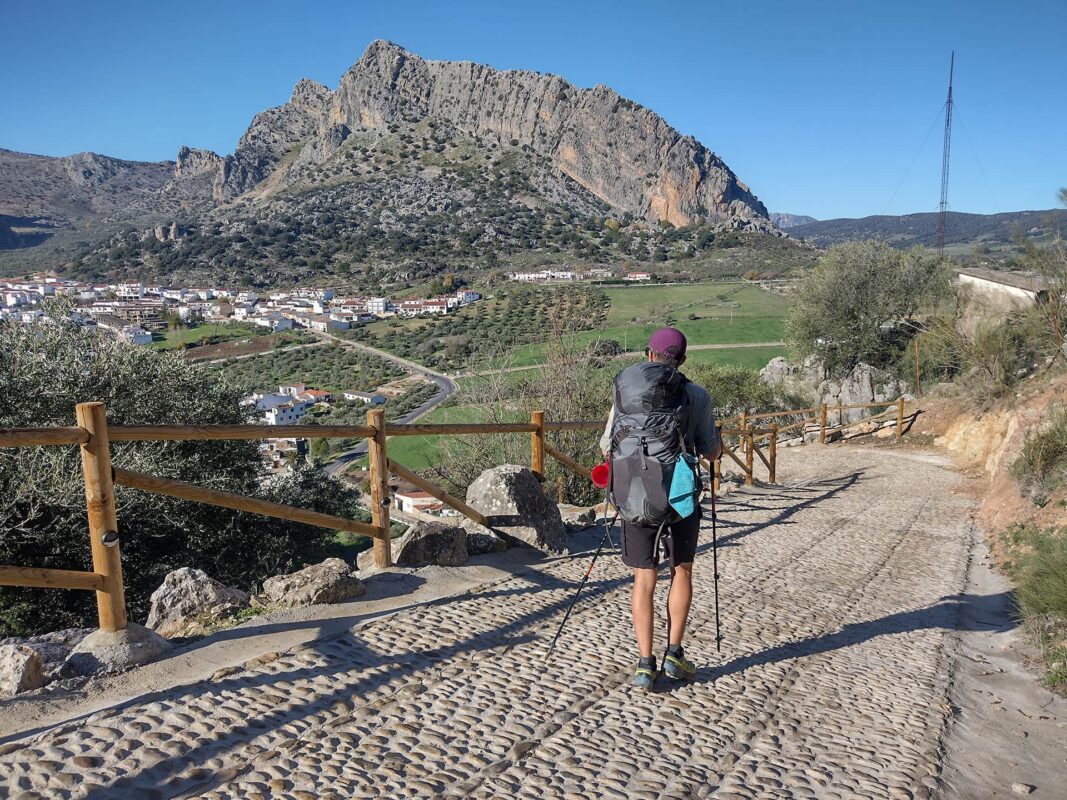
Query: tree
x=850, y=307
x=51, y=368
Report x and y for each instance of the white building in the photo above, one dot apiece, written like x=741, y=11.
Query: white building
x=467, y=296
x=286, y=414
x=274, y=322
x=135, y=335
x=638, y=276
x=379, y=305
x=364, y=397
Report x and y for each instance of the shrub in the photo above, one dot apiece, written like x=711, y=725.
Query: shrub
x=1042, y=464
x=1038, y=566
x=51, y=368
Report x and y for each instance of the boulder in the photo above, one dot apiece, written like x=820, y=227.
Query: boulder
x=511, y=497
x=432, y=543
x=106, y=651
x=329, y=582
x=425, y=543
x=481, y=540
x=20, y=669
x=189, y=601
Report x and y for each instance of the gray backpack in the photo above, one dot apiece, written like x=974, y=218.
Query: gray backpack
x=647, y=440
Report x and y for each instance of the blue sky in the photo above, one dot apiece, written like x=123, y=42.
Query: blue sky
x=819, y=106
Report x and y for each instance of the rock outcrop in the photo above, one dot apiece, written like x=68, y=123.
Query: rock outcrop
x=329, y=582
x=619, y=151
x=189, y=602
x=511, y=497
x=106, y=651
x=863, y=384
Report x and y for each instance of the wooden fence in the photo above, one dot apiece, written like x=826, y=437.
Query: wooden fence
x=93, y=435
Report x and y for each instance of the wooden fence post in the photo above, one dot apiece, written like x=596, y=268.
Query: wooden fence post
x=537, y=445
x=822, y=424
x=379, y=487
x=103, y=527
x=773, y=448
x=741, y=440
x=900, y=417
x=749, y=454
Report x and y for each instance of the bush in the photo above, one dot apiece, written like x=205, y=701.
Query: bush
x=734, y=389
x=1038, y=567
x=1042, y=465
x=50, y=368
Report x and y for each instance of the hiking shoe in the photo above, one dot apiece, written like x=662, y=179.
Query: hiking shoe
x=677, y=667
x=645, y=675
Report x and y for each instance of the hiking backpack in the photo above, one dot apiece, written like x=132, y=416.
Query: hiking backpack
x=647, y=441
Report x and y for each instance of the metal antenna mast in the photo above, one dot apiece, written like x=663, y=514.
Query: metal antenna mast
x=944, y=161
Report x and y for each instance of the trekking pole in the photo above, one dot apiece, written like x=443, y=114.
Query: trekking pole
x=715, y=568
x=603, y=537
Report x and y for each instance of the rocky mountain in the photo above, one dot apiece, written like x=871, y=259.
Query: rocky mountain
x=406, y=159
x=784, y=221
x=963, y=232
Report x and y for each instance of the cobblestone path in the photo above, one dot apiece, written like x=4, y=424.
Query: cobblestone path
x=840, y=593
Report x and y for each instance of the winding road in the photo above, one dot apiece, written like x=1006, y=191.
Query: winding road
x=446, y=387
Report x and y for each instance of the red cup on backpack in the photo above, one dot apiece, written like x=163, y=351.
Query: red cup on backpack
x=599, y=475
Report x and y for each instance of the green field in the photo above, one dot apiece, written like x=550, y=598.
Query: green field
x=208, y=333
x=723, y=313
x=421, y=452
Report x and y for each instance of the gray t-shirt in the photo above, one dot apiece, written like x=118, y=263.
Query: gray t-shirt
x=700, y=430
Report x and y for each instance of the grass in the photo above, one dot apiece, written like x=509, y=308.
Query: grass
x=208, y=333
x=751, y=357
x=421, y=452
x=1038, y=566
x=724, y=313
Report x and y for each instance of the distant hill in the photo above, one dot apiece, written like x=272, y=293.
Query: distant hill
x=407, y=160
x=784, y=221
x=995, y=232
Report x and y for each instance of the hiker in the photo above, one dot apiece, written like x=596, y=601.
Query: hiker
x=655, y=411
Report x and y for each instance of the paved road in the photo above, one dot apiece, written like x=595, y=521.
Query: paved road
x=446, y=386
x=841, y=592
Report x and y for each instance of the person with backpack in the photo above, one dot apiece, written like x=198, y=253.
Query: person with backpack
x=660, y=424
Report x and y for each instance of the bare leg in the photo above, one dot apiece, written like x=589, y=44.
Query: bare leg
x=641, y=608
x=679, y=600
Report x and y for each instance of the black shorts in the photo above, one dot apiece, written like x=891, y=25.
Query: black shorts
x=639, y=542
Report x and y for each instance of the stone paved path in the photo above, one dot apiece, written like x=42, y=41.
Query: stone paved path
x=840, y=592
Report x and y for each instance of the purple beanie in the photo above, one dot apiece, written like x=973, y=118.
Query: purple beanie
x=667, y=342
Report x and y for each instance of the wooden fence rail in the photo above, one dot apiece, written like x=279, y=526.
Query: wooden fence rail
x=93, y=436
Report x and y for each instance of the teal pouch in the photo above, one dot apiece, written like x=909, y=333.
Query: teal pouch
x=683, y=492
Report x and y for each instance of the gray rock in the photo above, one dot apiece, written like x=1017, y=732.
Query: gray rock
x=20, y=669
x=481, y=540
x=329, y=582
x=431, y=543
x=423, y=544
x=189, y=601
x=104, y=651
x=517, y=508
x=577, y=517
x=1022, y=788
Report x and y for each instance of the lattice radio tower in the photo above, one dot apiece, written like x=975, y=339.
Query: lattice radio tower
x=944, y=161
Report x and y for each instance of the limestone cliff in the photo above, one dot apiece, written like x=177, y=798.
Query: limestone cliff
x=624, y=154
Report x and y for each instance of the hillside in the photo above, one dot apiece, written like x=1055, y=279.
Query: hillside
x=784, y=221
x=406, y=162
x=963, y=232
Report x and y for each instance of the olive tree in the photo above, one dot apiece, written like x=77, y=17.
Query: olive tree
x=45, y=370
x=850, y=307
